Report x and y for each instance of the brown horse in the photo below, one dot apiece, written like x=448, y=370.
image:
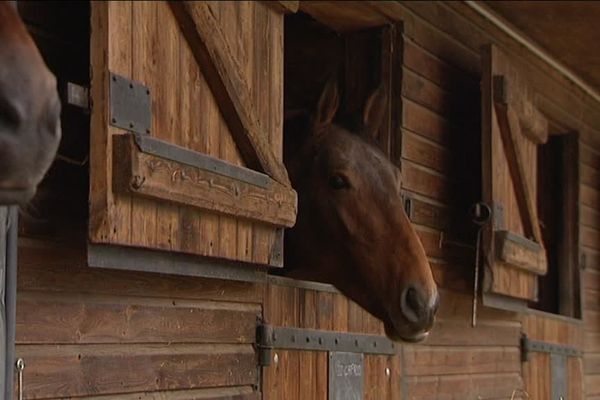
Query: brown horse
x=352, y=230
x=29, y=111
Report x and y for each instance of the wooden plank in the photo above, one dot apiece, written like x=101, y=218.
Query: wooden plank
x=153, y=177
x=428, y=65
x=590, y=176
x=589, y=197
x=456, y=360
x=460, y=333
x=424, y=152
x=111, y=33
x=439, y=100
x=482, y=386
x=72, y=370
x=426, y=182
x=89, y=319
x=229, y=393
x=145, y=37
x=520, y=255
x=213, y=54
x=424, y=122
x=168, y=41
x=61, y=269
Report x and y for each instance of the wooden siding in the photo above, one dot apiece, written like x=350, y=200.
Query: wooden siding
x=101, y=334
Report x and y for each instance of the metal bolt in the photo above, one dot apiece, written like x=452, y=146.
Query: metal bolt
x=387, y=372
x=276, y=358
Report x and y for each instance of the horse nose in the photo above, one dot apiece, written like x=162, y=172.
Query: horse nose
x=11, y=115
x=418, y=307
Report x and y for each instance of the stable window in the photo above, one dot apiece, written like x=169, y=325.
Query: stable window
x=530, y=179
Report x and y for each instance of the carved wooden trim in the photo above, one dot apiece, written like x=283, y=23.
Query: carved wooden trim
x=148, y=175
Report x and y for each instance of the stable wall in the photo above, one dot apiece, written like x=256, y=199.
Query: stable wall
x=104, y=334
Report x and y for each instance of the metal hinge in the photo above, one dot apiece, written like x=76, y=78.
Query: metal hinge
x=264, y=344
x=528, y=346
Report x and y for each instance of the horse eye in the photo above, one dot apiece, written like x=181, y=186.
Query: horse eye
x=338, y=182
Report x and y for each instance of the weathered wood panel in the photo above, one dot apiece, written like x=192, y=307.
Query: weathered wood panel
x=71, y=370
x=240, y=98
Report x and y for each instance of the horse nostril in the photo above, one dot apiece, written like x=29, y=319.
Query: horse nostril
x=411, y=305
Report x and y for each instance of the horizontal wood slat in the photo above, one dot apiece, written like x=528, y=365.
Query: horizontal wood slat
x=71, y=370
x=93, y=319
x=520, y=253
x=147, y=175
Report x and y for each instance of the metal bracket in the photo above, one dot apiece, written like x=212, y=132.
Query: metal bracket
x=130, y=105
x=269, y=338
x=528, y=346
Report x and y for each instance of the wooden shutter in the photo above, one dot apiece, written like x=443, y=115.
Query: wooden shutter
x=206, y=177
x=512, y=129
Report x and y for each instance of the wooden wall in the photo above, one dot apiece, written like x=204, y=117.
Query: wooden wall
x=100, y=334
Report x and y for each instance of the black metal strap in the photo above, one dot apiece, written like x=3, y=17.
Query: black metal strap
x=528, y=345
x=269, y=338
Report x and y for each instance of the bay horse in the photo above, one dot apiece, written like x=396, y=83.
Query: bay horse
x=352, y=230
x=30, y=108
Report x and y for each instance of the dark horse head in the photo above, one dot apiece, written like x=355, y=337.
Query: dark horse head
x=29, y=111
x=352, y=230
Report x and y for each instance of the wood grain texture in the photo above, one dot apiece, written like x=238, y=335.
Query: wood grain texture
x=205, y=37
x=71, y=370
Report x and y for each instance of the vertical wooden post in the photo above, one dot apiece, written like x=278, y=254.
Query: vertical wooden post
x=8, y=294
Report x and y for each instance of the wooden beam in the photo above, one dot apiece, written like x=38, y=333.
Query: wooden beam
x=520, y=253
x=214, y=56
x=283, y=6
x=151, y=176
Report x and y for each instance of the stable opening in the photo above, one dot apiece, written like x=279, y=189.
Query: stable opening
x=557, y=188
x=62, y=33
x=361, y=62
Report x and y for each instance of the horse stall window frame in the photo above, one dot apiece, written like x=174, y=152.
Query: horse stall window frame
x=515, y=124
x=383, y=43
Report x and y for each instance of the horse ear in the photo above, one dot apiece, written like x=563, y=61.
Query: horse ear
x=374, y=112
x=328, y=104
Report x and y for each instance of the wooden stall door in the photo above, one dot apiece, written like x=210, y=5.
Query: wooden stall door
x=553, y=368
x=205, y=177
x=512, y=129
x=314, y=309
